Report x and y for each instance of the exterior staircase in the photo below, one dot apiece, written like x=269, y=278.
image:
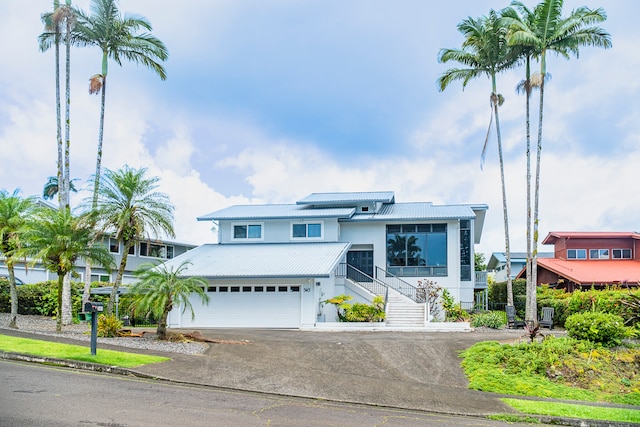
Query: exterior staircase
x=403, y=312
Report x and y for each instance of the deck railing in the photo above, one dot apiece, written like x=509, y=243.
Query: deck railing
x=396, y=283
x=373, y=285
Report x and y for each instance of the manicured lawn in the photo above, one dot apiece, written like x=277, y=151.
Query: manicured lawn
x=75, y=352
x=574, y=411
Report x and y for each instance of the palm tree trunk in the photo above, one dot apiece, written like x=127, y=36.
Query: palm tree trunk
x=67, y=317
x=58, y=114
x=507, y=247
x=530, y=286
x=59, y=310
x=118, y=281
x=96, y=183
x=162, y=322
x=533, y=314
x=14, y=296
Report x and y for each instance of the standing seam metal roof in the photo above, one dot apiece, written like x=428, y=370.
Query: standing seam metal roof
x=262, y=260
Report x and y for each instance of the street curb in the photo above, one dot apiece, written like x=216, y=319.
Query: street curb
x=97, y=367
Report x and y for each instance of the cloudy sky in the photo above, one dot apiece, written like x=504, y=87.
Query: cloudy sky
x=268, y=101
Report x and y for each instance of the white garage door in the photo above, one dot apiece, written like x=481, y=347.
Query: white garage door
x=249, y=306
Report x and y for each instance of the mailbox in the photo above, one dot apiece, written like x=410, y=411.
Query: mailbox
x=93, y=307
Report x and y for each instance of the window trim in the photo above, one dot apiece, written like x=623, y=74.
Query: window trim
x=247, y=224
x=166, y=252
x=600, y=254
x=622, y=250
x=425, y=228
x=117, y=244
x=577, y=253
x=306, y=223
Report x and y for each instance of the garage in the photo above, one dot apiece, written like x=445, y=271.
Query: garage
x=257, y=285
x=247, y=306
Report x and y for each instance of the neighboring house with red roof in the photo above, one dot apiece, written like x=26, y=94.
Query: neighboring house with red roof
x=586, y=259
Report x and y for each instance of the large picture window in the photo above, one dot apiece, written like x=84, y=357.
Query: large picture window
x=417, y=249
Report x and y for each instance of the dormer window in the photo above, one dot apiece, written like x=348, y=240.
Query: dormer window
x=599, y=253
x=306, y=230
x=621, y=253
x=247, y=231
x=365, y=209
x=576, y=254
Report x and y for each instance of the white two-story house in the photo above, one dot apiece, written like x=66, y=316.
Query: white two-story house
x=275, y=265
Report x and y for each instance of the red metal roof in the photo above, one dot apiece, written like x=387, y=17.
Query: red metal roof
x=590, y=235
x=587, y=272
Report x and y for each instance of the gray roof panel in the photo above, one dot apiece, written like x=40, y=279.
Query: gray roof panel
x=263, y=260
x=260, y=212
x=418, y=211
x=352, y=197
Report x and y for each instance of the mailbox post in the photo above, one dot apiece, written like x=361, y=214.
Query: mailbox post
x=94, y=308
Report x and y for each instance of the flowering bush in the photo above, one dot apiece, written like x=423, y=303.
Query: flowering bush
x=607, y=329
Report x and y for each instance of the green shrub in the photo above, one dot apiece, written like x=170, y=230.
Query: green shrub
x=607, y=329
x=108, y=326
x=358, y=312
x=498, y=294
x=493, y=320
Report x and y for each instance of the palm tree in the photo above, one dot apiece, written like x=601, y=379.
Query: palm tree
x=58, y=239
x=61, y=15
x=129, y=207
x=526, y=86
x=118, y=38
x=548, y=31
x=163, y=287
x=14, y=216
x=484, y=53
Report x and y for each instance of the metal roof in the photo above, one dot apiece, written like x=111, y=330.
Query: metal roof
x=349, y=197
x=555, y=235
x=264, y=260
x=259, y=212
x=418, y=211
x=593, y=272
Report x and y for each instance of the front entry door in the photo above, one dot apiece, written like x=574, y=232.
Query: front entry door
x=363, y=261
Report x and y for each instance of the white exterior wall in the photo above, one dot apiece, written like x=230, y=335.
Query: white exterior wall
x=375, y=233
x=279, y=231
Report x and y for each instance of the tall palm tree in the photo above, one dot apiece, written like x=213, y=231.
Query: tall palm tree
x=62, y=16
x=549, y=31
x=484, y=52
x=129, y=207
x=14, y=217
x=118, y=38
x=520, y=12
x=58, y=239
x=161, y=288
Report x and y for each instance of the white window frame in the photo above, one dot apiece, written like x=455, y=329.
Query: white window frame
x=117, y=242
x=600, y=254
x=622, y=253
x=166, y=250
x=306, y=223
x=246, y=239
x=577, y=252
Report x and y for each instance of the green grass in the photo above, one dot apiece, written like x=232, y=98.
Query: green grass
x=574, y=411
x=558, y=368
x=75, y=352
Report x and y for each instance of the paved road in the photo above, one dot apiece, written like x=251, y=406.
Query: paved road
x=37, y=395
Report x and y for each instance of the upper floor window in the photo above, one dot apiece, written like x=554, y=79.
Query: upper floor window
x=155, y=250
x=114, y=245
x=599, y=253
x=307, y=230
x=247, y=231
x=417, y=249
x=576, y=254
x=621, y=254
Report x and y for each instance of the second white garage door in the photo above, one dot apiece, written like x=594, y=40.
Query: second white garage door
x=247, y=306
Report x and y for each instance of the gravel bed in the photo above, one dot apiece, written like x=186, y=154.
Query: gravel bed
x=82, y=332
